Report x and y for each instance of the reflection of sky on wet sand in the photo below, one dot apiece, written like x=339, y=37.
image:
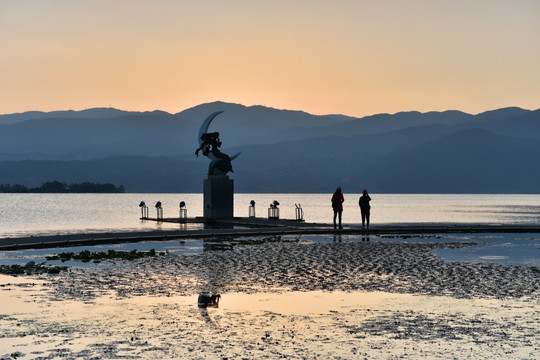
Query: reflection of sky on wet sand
x=187, y=247
x=268, y=325
x=506, y=249
x=521, y=249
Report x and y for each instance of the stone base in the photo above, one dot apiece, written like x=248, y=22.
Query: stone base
x=218, y=197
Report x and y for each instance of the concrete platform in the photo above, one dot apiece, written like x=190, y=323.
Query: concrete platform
x=241, y=227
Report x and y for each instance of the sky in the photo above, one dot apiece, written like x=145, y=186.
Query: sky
x=350, y=57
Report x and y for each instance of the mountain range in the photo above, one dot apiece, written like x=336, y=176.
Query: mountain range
x=281, y=150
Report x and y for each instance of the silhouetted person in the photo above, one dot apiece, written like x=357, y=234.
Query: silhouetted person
x=337, y=205
x=364, y=207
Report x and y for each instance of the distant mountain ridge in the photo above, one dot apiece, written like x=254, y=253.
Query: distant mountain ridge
x=282, y=150
x=93, y=113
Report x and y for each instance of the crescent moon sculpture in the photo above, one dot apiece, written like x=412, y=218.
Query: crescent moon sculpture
x=209, y=143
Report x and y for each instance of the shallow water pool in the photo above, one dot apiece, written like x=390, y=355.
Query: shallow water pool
x=504, y=249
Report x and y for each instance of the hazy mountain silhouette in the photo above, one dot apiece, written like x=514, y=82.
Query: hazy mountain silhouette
x=512, y=122
x=282, y=151
x=468, y=161
x=79, y=137
x=94, y=113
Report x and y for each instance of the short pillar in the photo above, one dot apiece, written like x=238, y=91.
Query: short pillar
x=183, y=212
x=252, y=209
x=159, y=210
x=144, y=210
x=273, y=210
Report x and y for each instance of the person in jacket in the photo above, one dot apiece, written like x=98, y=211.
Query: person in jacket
x=337, y=206
x=364, y=207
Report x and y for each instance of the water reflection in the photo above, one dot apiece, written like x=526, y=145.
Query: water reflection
x=217, y=244
x=218, y=225
x=205, y=301
x=505, y=249
x=208, y=300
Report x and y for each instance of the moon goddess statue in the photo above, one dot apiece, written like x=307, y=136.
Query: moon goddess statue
x=209, y=144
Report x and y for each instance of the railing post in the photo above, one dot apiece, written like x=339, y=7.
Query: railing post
x=299, y=212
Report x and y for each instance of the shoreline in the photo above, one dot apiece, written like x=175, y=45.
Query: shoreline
x=240, y=227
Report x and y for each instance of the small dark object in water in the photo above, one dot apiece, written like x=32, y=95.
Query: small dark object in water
x=209, y=300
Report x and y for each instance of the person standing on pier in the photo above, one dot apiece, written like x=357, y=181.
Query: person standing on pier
x=364, y=207
x=337, y=205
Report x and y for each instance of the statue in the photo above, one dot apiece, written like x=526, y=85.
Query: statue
x=210, y=143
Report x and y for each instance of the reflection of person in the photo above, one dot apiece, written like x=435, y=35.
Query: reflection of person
x=337, y=206
x=364, y=207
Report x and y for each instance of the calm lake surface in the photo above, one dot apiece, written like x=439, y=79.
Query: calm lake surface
x=46, y=214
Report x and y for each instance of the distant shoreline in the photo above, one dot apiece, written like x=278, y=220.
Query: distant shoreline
x=57, y=187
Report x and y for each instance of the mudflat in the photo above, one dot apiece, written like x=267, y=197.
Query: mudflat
x=279, y=299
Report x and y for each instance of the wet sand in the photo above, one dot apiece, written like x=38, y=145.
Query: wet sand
x=319, y=300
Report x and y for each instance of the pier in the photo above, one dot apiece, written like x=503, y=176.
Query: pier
x=247, y=227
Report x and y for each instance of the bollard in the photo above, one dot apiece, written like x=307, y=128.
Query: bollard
x=159, y=211
x=273, y=210
x=183, y=212
x=144, y=210
x=252, y=209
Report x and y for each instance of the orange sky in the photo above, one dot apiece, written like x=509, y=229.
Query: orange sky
x=350, y=57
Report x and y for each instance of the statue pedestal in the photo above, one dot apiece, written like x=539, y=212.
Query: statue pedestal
x=218, y=197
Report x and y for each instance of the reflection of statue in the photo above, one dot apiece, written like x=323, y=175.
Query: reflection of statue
x=208, y=300
x=205, y=301
x=210, y=143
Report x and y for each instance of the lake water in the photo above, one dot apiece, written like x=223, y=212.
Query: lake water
x=45, y=214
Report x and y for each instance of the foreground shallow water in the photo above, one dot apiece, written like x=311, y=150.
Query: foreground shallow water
x=290, y=324
x=319, y=298
x=505, y=249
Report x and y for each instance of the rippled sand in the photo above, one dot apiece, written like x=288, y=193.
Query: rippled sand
x=294, y=300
